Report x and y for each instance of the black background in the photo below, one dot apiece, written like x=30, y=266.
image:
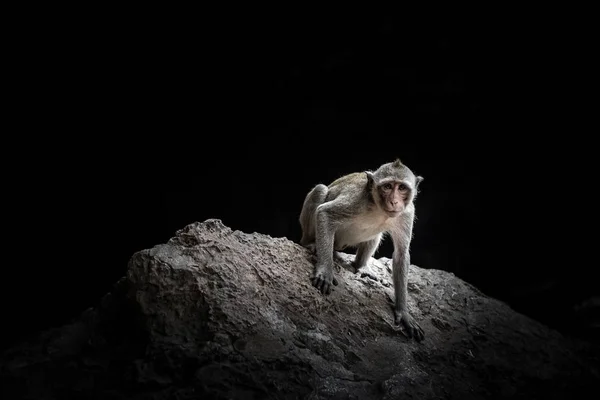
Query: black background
x=136, y=126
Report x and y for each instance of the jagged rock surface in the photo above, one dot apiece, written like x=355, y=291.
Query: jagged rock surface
x=221, y=314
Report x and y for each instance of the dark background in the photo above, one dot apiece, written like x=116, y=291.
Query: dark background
x=140, y=126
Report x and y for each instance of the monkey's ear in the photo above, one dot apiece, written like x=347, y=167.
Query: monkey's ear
x=370, y=179
x=418, y=180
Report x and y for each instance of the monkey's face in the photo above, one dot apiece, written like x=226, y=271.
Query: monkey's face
x=394, y=196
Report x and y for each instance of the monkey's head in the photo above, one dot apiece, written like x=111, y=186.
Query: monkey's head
x=393, y=187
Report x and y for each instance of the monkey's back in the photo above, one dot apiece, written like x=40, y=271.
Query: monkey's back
x=353, y=183
x=356, y=178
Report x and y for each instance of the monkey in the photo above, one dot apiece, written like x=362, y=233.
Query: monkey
x=357, y=210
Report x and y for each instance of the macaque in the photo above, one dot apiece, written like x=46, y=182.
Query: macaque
x=356, y=210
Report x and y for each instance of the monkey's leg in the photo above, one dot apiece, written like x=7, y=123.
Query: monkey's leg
x=400, y=263
x=365, y=251
x=313, y=199
x=325, y=231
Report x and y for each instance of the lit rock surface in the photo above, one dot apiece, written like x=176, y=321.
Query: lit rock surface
x=221, y=314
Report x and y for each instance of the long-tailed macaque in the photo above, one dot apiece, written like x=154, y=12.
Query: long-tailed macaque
x=357, y=210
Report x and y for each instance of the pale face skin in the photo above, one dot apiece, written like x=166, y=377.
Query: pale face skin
x=394, y=195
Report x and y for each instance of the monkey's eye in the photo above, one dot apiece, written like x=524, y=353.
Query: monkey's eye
x=387, y=186
x=402, y=186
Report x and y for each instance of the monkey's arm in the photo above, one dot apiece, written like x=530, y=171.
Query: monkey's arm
x=330, y=216
x=401, y=235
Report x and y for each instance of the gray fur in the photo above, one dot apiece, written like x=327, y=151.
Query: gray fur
x=308, y=215
x=349, y=213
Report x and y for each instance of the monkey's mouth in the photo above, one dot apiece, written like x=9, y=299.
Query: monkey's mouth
x=393, y=213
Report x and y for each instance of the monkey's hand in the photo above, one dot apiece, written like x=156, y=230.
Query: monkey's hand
x=323, y=278
x=411, y=327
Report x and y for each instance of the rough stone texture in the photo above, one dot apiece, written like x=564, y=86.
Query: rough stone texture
x=221, y=314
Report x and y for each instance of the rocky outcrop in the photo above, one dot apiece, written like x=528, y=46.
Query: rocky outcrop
x=221, y=314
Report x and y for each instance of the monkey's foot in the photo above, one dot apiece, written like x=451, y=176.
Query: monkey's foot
x=337, y=257
x=358, y=267
x=367, y=274
x=323, y=279
x=311, y=247
x=411, y=327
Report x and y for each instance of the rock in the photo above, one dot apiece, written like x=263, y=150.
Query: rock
x=222, y=314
